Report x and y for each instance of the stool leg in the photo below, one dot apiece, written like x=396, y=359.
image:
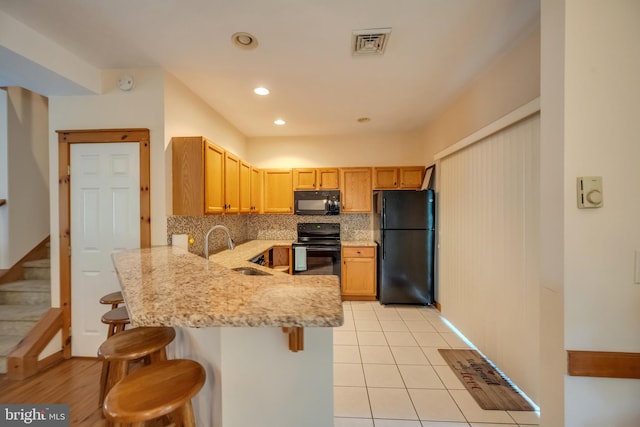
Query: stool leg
x=183, y=416
x=157, y=356
x=117, y=371
x=188, y=419
x=103, y=381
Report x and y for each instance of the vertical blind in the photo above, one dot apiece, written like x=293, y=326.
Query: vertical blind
x=489, y=245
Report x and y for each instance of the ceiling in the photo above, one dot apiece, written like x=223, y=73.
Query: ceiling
x=435, y=48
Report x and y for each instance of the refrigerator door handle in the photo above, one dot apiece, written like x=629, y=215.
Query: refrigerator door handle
x=382, y=244
x=384, y=213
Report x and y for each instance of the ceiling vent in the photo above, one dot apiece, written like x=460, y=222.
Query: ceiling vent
x=370, y=42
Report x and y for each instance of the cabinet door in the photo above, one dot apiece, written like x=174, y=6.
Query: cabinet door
x=359, y=273
x=214, y=179
x=356, y=190
x=304, y=179
x=187, y=158
x=256, y=190
x=231, y=183
x=385, y=178
x=245, y=187
x=328, y=179
x=411, y=177
x=278, y=191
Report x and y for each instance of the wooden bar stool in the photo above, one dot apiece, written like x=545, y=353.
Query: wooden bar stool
x=114, y=299
x=116, y=319
x=144, y=343
x=163, y=388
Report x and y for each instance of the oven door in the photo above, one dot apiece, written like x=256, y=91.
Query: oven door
x=321, y=260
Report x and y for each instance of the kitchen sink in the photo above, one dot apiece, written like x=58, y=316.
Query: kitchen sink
x=250, y=271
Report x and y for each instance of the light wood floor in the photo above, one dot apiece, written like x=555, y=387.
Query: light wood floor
x=75, y=382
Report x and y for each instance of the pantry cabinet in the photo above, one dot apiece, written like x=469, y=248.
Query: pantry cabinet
x=358, y=280
x=398, y=178
x=278, y=191
x=198, y=176
x=355, y=193
x=316, y=179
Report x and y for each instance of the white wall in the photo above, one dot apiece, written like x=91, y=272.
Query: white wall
x=25, y=217
x=39, y=64
x=142, y=107
x=602, y=302
x=552, y=354
x=186, y=114
x=396, y=149
x=510, y=81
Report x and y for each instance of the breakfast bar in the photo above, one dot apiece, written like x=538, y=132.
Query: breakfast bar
x=233, y=324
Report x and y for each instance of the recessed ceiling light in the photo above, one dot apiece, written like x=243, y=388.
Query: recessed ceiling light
x=279, y=122
x=244, y=40
x=261, y=91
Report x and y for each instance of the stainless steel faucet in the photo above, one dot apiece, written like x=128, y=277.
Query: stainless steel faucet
x=230, y=243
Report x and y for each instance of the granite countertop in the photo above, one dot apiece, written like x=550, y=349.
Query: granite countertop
x=168, y=286
x=358, y=243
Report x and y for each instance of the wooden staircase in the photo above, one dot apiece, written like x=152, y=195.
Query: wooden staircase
x=22, y=304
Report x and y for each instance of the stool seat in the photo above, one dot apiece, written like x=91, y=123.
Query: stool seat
x=143, y=343
x=162, y=388
x=117, y=319
x=114, y=299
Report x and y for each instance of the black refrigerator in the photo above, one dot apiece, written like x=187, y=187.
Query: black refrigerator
x=404, y=229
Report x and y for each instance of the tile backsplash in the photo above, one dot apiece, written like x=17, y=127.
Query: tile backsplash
x=264, y=227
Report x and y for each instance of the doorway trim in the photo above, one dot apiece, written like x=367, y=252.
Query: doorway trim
x=65, y=139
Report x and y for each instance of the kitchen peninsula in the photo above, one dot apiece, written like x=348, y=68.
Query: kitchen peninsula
x=233, y=325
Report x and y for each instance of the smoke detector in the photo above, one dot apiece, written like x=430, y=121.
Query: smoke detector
x=370, y=42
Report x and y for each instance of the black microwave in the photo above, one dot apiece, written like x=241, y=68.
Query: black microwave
x=316, y=202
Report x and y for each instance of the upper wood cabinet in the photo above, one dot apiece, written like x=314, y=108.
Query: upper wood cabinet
x=245, y=187
x=385, y=177
x=256, y=190
x=198, y=180
x=316, y=179
x=231, y=183
x=405, y=177
x=214, y=180
x=278, y=190
x=355, y=193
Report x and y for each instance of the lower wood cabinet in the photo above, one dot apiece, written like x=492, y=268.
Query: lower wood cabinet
x=359, y=273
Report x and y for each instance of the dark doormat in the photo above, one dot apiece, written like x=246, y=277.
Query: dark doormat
x=487, y=386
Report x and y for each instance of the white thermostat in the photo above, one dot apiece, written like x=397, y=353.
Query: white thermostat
x=589, y=190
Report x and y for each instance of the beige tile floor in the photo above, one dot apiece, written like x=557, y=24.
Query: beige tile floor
x=388, y=372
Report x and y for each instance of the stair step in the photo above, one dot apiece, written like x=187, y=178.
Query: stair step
x=39, y=269
x=19, y=319
x=7, y=343
x=29, y=292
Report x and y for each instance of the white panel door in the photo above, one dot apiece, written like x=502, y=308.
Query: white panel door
x=105, y=217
